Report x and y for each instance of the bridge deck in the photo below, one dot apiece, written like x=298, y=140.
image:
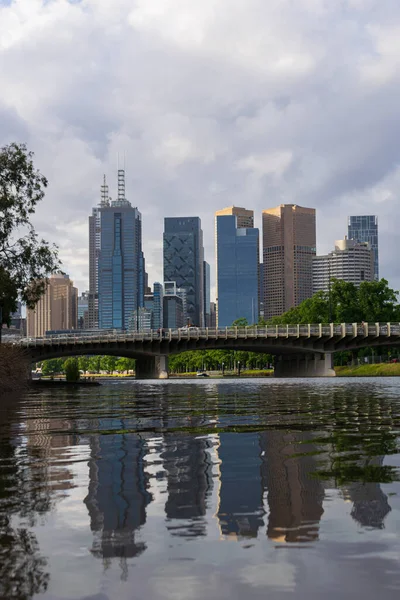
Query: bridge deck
x=314, y=331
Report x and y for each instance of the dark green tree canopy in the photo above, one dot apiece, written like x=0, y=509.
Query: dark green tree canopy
x=25, y=260
x=372, y=302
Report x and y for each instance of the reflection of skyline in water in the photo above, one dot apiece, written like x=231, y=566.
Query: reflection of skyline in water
x=221, y=464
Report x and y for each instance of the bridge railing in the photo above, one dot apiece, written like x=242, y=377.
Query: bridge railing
x=270, y=331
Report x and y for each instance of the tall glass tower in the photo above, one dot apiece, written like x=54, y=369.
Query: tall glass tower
x=184, y=262
x=237, y=255
x=121, y=261
x=365, y=229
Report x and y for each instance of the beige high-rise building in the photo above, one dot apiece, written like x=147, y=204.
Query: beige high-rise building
x=289, y=244
x=244, y=217
x=57, y=309
x=350, y=261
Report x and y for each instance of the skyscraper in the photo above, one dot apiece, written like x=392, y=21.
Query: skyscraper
x=183, y=262
x=57, y=309
x=237, y=260
x=94, y=252
x=350, y=261
x=245, y=217
x=365, y=229
x=207, y=297
x=289, y=244
x=120, y=261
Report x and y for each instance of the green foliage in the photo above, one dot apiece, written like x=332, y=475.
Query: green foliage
x=71, y=368
x=83, y=363
x=107, y=363
x=212, y=360
x=25, y=261
x=124, y=365
x=52, y=366
x=242, y=322
x=372, y=302
x=94, y=364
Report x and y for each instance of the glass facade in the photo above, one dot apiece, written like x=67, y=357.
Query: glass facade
x=173, y=312
x=207, y=297
x=364, y=228
x=237, y=271
x=120, y=265
x=183, y=262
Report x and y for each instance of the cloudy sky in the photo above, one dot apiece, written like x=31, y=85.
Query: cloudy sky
x=213, y=103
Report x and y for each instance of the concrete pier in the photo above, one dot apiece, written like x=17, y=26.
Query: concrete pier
x=305, y=365
x=152, y=367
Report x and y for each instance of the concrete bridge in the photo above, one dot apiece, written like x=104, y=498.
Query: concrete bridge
x=301, y=350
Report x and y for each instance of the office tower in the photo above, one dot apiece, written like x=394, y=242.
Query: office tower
x=94, y=252
x=158, y=307
x=170, y=289
x=237, y=259
x=183, y=262
x=365, y=229
x=207, y=283
x=83, y=310
x=120, y=261
x=289, y=241
x=213, y=315
x=172, y=312
x=57, y=309
x=350, y=261
x=245, y=218
x=261, y=290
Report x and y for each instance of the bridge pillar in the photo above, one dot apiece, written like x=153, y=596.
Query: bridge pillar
x=304, y=365
x=152, y=367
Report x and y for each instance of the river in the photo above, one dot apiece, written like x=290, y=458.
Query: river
x=239, y=489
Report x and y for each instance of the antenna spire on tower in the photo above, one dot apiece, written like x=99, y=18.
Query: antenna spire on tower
x=104, y=193
x=121, y=184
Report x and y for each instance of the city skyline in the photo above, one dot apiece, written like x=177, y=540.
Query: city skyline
x=253, y=121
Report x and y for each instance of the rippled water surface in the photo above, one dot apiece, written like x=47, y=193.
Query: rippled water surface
x=239, y=489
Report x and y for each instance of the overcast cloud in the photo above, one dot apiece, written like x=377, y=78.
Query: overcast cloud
x=214, y=103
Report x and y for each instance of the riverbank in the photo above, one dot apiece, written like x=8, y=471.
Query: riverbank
x=380, y=370
x=14, y=369
x=227, y=375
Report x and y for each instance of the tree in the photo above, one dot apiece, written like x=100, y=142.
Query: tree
x=25, y=260
x=94, y=364
x=125, y=364
x=52, y=366
x=71, y=368
x=107, y=363
x=83, y=363
x=242, y=322
x=378, y=302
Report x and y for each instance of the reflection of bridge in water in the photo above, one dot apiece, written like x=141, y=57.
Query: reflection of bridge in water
x=302, y=350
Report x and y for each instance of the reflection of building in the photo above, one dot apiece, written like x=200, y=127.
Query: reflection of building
x=184, y=262
x=118, y=496
x=370, y=504
x=365, y=229
x=237, y=261
x=295, y=497
x=240, y=510
x=289, y=239
x=350, y=261
x=189, y=476
x=57, y=309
